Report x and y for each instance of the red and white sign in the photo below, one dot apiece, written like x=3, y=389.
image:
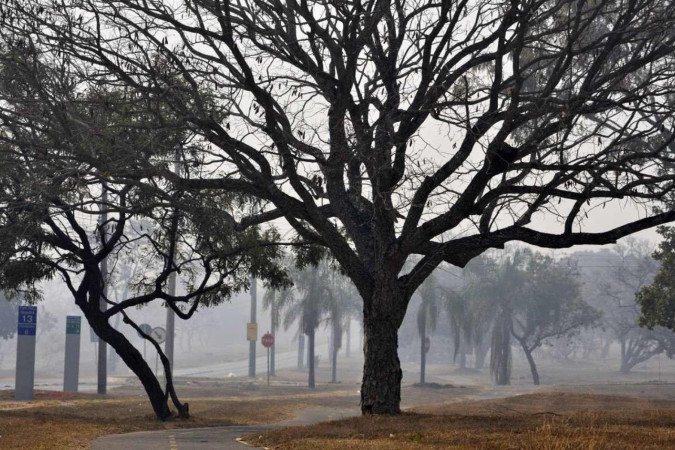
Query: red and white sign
x=267, y=340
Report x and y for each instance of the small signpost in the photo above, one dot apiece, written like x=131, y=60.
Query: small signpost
x=25, y=353
x=71, y=371
x=427, y=344
x=251, y=331
x=147, y=329
x=159, y=335
x=268, y=341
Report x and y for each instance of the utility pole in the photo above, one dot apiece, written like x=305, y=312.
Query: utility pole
x=252, y=342
x=170, y=322
x=102, y=381
x=170, y=314
x=273, y=319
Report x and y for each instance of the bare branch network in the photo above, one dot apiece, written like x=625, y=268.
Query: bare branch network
x=385, y=129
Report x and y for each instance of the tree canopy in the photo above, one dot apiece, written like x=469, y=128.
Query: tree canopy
x=657, y=301
x=328, y=113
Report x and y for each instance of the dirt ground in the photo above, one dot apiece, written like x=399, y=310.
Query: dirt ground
x=589, y=406
x=543, y=420
x=61, y=420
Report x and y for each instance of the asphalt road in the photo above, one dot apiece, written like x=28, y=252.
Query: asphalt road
x=239, y=368
x=284, y=360
x=210, y=438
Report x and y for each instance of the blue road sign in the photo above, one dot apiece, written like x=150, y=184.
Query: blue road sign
x=27, y=320
x=73, y=324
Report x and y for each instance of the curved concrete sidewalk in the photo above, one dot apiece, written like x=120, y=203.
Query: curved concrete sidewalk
x=212, y=437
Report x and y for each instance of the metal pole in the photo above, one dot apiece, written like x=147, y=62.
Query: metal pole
x=102, y=384
x=170, y=314
x=254, y=308
x=274, y=312
x=268, y=366
x=170, y=322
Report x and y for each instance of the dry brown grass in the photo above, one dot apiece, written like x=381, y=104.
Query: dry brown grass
x=60, y=421
x=534, y=421
x=57, y=420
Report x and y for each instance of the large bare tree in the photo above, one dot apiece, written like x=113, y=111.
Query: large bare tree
x=382, y=130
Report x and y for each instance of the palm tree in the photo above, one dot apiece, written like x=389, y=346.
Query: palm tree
x=305, y=303
x=427, y=314
x=270, y=302
x=341, y=307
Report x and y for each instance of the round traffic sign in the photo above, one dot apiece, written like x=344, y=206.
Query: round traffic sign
x=145, y=328
x=427, y=344
x=268, y=340
x=158, y=334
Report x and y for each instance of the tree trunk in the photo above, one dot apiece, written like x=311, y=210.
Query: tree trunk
x=381, y=386
x=301, y=350
x=336, y=343
x=480, y=352
x=334, y=363
x=533, y=366
x=625, y=367
x=462, y=357
x=310, y=352
x=348, y=333
x=500, y=357
x=423, y=353
x=132, y=358
x=605, y=348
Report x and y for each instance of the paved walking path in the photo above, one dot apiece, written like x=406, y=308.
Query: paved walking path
x=211, y=438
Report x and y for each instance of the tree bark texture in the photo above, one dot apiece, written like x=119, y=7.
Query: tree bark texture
x=381, y=386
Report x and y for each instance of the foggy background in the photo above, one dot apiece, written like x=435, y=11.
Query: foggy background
x=213, y=343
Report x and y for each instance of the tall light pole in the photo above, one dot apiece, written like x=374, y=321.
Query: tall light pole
x=252, y=342
x=273, y=326
x=102, y=373
x=170, y=314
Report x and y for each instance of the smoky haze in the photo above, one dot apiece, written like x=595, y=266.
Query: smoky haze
x=212, y=344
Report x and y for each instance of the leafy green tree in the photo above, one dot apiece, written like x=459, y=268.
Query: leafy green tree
x=630, y=269
x=657, y=300
x=8, y=317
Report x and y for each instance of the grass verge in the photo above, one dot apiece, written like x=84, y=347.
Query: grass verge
x=58, y=420
x=533, y=421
